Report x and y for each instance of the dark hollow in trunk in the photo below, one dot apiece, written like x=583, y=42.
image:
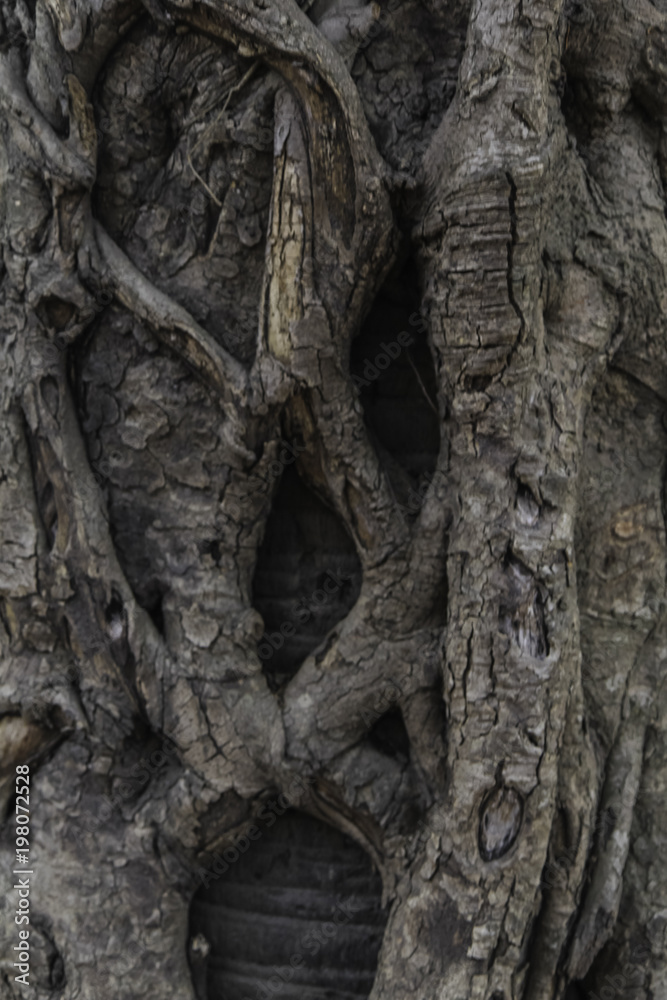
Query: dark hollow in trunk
x=298, y=915
x=396, y=380
x=307, y=578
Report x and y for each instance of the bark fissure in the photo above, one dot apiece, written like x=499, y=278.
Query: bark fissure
x=204, y=282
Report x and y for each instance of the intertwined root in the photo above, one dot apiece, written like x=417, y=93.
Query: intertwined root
x=540, y=264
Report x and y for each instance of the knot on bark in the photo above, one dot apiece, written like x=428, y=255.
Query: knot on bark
x=500, y=820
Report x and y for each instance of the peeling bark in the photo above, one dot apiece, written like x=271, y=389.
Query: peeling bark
x=244, y=244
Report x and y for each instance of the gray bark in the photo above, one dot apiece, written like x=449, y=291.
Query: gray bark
x=214, y=216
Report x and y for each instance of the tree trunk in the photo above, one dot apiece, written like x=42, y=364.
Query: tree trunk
x=332, y=550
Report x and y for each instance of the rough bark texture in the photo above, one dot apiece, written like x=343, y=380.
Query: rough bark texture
x=217, y=219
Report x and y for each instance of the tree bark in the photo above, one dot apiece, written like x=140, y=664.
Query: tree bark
x=358, y=306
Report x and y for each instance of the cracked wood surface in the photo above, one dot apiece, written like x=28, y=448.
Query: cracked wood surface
x=191, y=242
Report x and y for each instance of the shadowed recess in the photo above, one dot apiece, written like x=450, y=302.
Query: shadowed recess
x=298, y=915
x=391, y=366
x=183, y=189
x=389, y=735
x=307, y=578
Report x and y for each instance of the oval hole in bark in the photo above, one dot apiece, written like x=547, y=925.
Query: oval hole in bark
x=298, y=915
x=397, y=386
x=307, y=578
x=389, y=735
x=521, y=610
x=55, y=312
x=499, y=822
